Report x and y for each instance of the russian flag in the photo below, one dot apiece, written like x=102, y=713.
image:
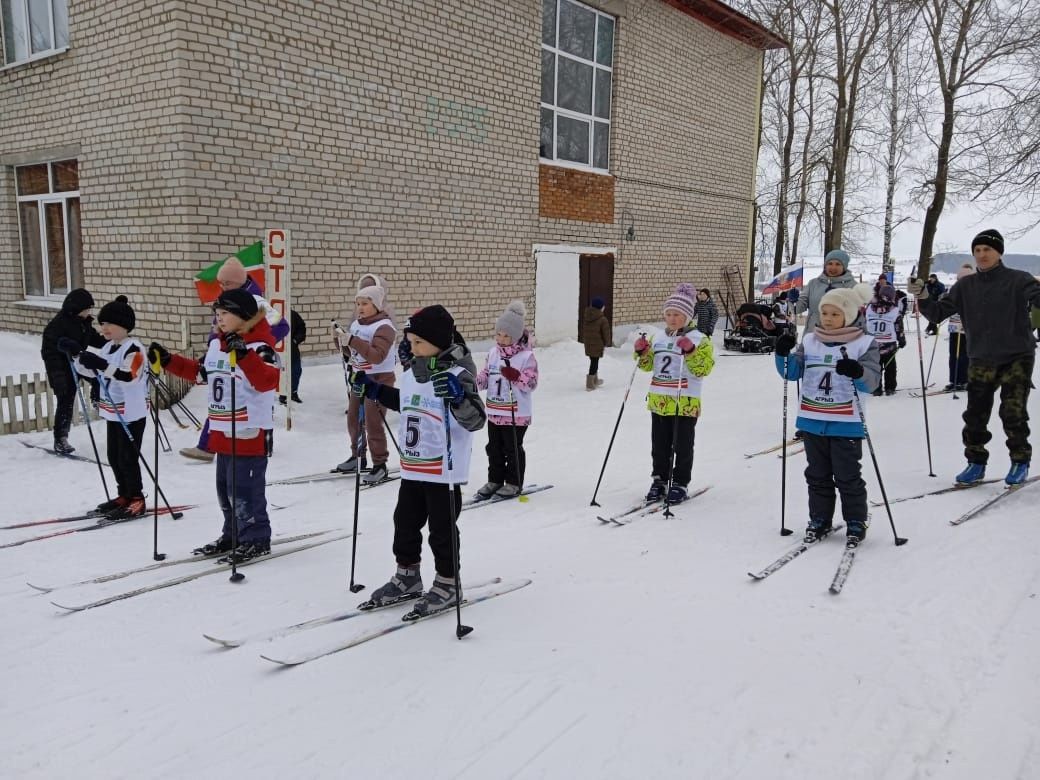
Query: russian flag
x=785, y=281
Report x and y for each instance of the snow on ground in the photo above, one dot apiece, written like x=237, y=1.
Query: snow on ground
x=639, y=651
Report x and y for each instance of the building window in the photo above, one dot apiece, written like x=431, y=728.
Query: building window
x=577, y=59
x=49, y=222
x=34, y=28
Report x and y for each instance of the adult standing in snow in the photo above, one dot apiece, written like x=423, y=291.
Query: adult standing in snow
x=596, y=336
x=936, y=289
x=72, y=322
x=835, y=276
x=705, y=312
x=994, y=308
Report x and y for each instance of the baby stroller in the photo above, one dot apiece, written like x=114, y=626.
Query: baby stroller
x=757, y=328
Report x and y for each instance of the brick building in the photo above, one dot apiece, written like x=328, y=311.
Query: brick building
x=141, y=140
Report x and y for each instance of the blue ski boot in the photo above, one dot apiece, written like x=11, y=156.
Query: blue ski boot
x=1018, y=474
x=817, y=529
x=972, y=475
x=656, y=492
x=677, y=494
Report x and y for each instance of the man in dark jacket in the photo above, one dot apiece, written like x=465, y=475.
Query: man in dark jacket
x=935, y=290
x=994, y=309
x=72, y=322
x=705, y=312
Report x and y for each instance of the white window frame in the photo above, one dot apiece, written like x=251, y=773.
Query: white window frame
x=23, y=5
x=592, y=119
x=41, y=219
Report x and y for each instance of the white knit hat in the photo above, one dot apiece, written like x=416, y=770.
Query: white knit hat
x=512, y=320
x=684, y=299
x=849, y=300
x=374, y=293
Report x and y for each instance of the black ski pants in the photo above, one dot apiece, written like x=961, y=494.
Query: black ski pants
x=123, y=456
x=833, y=462
x=502, y=453
x=958, y=359
x=1014, y=380
x=888, y=371
x=417, y=503
x=662, y=430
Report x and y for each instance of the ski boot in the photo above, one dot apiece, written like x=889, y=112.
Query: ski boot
x=484, y=493
x=855, y=532
x=816, y=530
x=1018, y=474
x=376, y=475
x=405, y=585
x=246, y=551
x=878, y=392
x=221, y=545
x=107, y=506
x=62, y=446
x=350, y=465
x=676, y=494
x=657, y=490
x=440, y=597
x=507, y=491
x=890, y=392
x=296, y=398
x=972, y=474
x=949, y=388
x=127, y=508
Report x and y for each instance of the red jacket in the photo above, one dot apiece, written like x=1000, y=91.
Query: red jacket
x=261, y=374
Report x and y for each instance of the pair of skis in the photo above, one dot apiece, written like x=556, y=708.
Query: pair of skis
x=333, y=476
x=646, y=508
x=102, y=522
x=840, y=575
x=477, y=503
x=66, y=456
x=990, y=502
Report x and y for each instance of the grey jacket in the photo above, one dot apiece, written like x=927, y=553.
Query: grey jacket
x=994, y=308
x=814, y=291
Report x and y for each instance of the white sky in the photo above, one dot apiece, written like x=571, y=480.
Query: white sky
x=957, y=226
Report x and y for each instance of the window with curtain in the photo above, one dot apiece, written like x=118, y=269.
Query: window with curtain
x=49, y=223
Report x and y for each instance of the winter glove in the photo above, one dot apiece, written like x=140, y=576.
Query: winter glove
x=447, y=385
x=849, y=367
x=685, y=345
x=157, y=353
x=902, y=342
x=916, y=287
x=404, y=352
x=70, y=347
x=642, y=345
x=784, y=345
x=793, y=295
x=93, y=361
x=235, y=343
x=361, y=384
x=509, y=373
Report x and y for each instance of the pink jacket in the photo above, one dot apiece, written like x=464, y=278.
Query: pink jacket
x=528, y=377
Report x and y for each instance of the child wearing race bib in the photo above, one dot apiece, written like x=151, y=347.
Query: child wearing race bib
x=370, y=348
x=679, y=358
x=510, y=375
x=884, y=321
x=119, y=367
x=833, y=356
x=245, y=331
x=441, y=378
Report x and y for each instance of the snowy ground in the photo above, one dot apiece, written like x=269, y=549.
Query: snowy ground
x=638, y=652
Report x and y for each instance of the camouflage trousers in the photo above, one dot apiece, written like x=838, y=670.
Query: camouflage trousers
x=1014, y=380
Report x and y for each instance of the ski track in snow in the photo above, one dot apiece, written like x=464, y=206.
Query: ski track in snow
x=641, y=651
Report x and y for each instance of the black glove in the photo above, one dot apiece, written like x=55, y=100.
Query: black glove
x=93, y=361
x=447, y=385
x=158, y=353
x=793, y=295
x=235, y=343
x=404, y=352
x=849, y=367
x=902, y=342
x=362, y=385
x=784, y=344
x=70, y=347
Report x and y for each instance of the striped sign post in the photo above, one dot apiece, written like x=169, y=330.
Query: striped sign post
x=278, y=267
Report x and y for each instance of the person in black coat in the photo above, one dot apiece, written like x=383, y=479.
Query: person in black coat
x=72, y=322
x=297, y=335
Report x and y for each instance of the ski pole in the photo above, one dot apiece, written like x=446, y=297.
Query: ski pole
x=389, y=431
x=236, y=575
x=170, y=403
x=140, y=455
x=516, y=443
x=675, y=438
x=924, y=392
x=155, y=368
x=357, y=587
x=931, y=361
x=784, y=530
x=362, y=444
x=460, y=630
x=90, y=429
x=610, y=446
x=870, y=444
x=957, y=365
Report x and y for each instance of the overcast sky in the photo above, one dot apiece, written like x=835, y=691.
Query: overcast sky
x=957, y=227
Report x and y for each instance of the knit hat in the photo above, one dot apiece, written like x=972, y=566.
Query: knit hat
x=433, y=324
x=887, y=293
x=232, y=272
x=965, y=270
x=239, y=302
x=512, y=321
x=118, y=312
x=77, y=300
x=840, y=255
x=597, y=303
x=683, y=300
x=989, y=238
x=374, y=293
x=849, y=300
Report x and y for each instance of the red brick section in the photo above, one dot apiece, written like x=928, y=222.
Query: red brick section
x=566, y=193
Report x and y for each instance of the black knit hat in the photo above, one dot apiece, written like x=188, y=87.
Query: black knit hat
x=434, y=324
x=77, y=300
x=989, y=238
x=118, y=312
x=239, y=302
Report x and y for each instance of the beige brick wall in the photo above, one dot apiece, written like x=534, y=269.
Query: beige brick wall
x=390, y=136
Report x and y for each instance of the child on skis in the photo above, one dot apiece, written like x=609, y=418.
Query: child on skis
x=596, y=336
x=72, y=322
x=884, y=321
x=510, y=375
x=369, y=347
x=679, y=358
x=994, y=307
x=437, y=381
x=833, y=359
x=119, y=367
x=244, y=331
